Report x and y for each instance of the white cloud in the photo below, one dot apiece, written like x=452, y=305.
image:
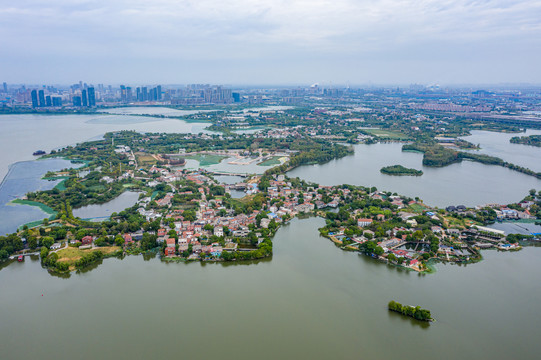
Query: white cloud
x=258, y=30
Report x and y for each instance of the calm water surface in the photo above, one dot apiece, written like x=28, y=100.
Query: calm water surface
x=21, y=135
x=150, y=110
x=123, y=201
x=497, y=144
x=24, y=177
x=466, y=183
x=310, y=301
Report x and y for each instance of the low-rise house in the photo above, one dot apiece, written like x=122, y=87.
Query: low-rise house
x=364, y=222
x=218, y=231
x=87, y=240
x=127, y=239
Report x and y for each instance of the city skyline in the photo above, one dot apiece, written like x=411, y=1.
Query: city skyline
x=272, y=42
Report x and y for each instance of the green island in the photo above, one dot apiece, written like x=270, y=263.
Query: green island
x=399, y=170
x=532, y=140
x=412, y=311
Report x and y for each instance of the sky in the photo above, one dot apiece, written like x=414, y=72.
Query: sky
x=282, y=42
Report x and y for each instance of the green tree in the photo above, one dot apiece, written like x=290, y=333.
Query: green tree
x=47, y=241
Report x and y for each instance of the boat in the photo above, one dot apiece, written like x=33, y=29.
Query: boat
x=39, y=152
x=20, y=258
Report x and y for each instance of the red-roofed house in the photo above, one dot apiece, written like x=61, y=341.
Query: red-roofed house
x=127, y=239
x=87, y=240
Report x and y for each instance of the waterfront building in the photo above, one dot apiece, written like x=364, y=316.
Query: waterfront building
x=91, y=97
x=41, y=98
x=34, y=95
x=84, y=98
x=77, y=101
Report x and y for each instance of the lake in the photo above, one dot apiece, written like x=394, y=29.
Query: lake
x=123, y=201
x=466, y=183
x=150, y=110
x=21, y=135
x=497, y=144
x=310, y=301
x=24, y=177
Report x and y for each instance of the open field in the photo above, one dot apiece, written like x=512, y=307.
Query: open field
x=71, y=254
x=206, y=160
x=386, y=134
x=274, y=160
x=145, y=159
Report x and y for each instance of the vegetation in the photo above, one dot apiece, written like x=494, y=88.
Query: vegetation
x=532, y=140
x=414, y=312
x=400, y=170
x=439, y=156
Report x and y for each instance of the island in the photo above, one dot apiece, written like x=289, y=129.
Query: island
x=399, y=170
x=532, y=140
x=412, y=311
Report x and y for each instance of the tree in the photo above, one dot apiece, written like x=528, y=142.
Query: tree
x=189, y=215
x=119, y=240
x=32, y=242
x=47, y=241
x=43, y=253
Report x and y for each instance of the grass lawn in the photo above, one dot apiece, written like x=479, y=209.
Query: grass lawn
x=72, y=254
x=206, y=160
x=387, y=134
x=417, y=208
x=275, y=160
x=145, y=159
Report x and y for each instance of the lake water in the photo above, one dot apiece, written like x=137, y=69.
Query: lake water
x=123, y=201
x=310, y=301
x=466, y=183
x=497, y=144
x=150, y=110
x=21, y=135
x=25, y=177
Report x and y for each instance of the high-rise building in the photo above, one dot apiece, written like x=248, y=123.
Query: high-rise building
x=91, y=97
x=128, y=94
x=123, y=94
x=77, y=101
x=144, y=96
x=41, y=98
x=48, y=101
x=34, y=95
x=5, y=87
x=84, y=98
x=57, y=101
x=138, y=94
x=159, y=92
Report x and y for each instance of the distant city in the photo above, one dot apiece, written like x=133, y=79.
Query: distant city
x=503, y=104
x=415, y=96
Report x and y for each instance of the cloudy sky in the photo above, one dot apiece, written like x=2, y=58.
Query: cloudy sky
x=271, y=41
